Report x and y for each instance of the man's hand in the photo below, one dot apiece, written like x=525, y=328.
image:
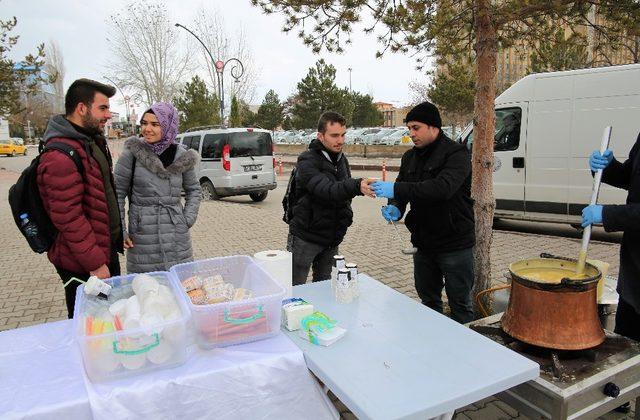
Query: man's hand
x=591, y=214
x=128, y=243
x=101, y=272
x=383, y=189
x=390, y=213
x=600, y=161
x=365, y=187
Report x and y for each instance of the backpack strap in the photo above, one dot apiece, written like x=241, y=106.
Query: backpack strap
x=67, y=150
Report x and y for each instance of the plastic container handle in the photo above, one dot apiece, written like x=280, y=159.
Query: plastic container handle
x=139, y=351
x=242, y=321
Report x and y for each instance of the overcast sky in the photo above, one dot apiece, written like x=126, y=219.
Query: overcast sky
x=79, y=27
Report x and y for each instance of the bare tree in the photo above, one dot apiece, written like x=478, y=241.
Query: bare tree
x=54, y=67
x=210, y=28
x=147, y=58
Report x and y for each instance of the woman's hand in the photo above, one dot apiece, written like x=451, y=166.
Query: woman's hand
x=128, y=243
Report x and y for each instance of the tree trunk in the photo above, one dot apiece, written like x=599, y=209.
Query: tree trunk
x=482, y=153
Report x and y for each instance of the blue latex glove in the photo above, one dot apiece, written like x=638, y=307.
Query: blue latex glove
x=390, y=213
x=598, y=161
x=383, y=189
x=591, y=214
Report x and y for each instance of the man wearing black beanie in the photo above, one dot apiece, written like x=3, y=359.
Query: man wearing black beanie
x=435, y=179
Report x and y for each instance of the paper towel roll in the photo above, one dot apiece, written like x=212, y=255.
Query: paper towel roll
x=279, y=264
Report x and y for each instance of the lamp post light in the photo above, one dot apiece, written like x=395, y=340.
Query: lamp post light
x=237, y=70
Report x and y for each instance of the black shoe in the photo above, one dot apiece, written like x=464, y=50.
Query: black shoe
x=624, y=408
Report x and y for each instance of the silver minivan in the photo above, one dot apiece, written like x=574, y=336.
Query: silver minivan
x=235, y=161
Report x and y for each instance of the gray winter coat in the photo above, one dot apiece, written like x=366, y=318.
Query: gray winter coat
x=158, y=222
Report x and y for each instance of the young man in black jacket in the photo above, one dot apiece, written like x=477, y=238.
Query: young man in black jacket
x=435, y=178
x=322, y=212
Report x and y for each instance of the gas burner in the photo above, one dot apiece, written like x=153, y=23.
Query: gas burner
x=566, y=366
x=581, y=384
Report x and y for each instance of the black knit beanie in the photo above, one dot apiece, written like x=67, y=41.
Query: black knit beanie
x=426, y=113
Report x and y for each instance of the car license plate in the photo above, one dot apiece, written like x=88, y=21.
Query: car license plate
x=251, y=168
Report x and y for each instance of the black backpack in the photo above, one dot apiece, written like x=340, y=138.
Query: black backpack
x=289, y=199
x=24, y=197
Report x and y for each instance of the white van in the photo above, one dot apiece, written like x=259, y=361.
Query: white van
x=547, y=125
x=235, y=161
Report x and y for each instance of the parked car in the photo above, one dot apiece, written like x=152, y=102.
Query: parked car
x=235, y=161
x=400, y=136
x=360, y=138
x=11, y=148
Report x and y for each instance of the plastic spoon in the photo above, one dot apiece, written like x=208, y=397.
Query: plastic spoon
x=408, y=251
x=586, y=234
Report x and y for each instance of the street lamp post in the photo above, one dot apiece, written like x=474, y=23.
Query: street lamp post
x=350, y=80
x=237, y=70
x=126, y=104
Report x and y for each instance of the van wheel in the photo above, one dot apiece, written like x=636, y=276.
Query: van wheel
x=13, y=153
x=208, y=192
x=259, y=196
x=25, y=152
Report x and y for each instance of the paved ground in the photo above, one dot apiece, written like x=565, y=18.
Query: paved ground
x=31, y=293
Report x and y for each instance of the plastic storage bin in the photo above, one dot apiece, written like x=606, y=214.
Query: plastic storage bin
x=118, y=353
x=234, y=322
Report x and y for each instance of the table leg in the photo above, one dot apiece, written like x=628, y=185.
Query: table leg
x=637, y=416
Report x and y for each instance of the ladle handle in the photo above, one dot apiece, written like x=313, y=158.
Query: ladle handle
x=586, y=234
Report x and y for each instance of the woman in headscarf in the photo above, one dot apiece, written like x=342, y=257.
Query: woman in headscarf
x=152, y=172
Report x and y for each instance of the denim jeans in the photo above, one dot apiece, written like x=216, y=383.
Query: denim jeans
x=306, y=254
x=452, y=270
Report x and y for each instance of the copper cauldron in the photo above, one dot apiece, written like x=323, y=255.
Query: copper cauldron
x=549, y=307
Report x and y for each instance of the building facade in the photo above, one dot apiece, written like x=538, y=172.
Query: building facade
x=392, y=116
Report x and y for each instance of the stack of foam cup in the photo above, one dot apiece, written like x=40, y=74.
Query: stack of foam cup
x=151, y=305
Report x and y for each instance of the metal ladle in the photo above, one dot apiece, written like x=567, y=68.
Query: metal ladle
x=406, y=251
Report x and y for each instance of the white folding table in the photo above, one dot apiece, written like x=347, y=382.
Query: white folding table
x=402, y=360
x=42, y=377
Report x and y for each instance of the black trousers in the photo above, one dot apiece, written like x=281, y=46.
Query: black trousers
x=627, y=321
x=70, y=290
x=306, y=255
x=452, y=271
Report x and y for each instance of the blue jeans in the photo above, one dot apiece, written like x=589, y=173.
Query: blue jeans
x=452, y=270
x=306, y=254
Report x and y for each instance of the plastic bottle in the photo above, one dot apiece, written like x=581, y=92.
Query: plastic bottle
x=30, y=231
x=343, y=292
x=338, y=263
x=353, y=279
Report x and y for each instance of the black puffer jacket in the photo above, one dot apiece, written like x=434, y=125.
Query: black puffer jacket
x=324, y=190
x=436, y=181
x=626, y=218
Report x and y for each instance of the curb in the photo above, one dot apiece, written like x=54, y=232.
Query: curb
x=356, y=166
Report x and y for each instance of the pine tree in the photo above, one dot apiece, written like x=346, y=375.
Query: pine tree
x=365, y=113
x=247, y=117
x=15, y=77
x=270, y=113
x=234, y=115
x=453, y=91
x=196, y=105
x=560, y=53
x=317, y=93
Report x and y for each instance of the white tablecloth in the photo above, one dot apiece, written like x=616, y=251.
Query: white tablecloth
x=41, y=377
